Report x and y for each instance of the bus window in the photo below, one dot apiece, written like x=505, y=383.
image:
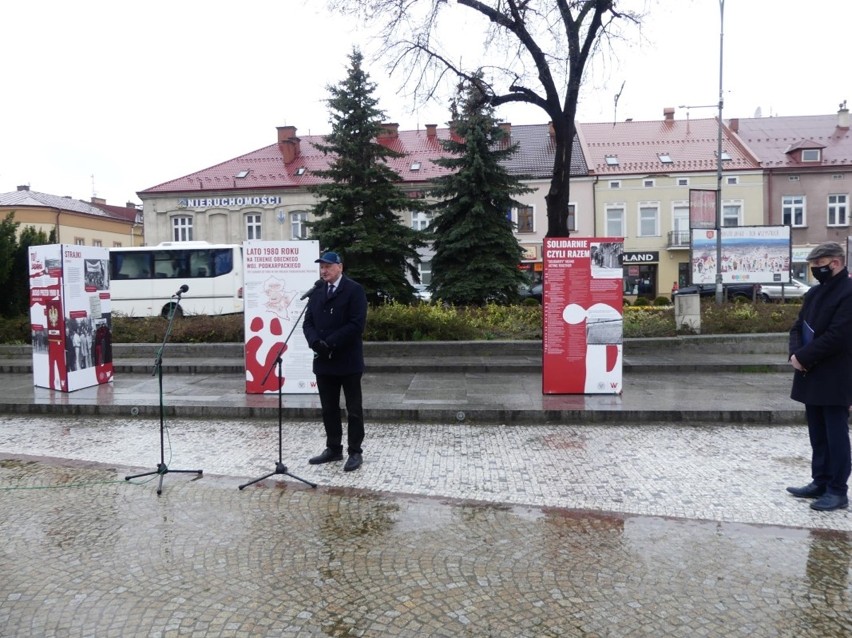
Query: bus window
x=131, y=266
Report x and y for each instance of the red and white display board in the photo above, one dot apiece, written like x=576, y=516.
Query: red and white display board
x=583, y=321
x=70, y=316
x=277, y=274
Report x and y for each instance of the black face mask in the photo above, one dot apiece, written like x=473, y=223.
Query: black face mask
x=821, y=273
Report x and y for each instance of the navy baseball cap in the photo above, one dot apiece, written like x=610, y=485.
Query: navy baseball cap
x=329, y=258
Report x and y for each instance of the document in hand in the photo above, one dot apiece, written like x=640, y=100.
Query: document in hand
x=807, y=333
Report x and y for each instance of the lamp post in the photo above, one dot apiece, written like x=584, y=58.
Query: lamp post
x=719, y=290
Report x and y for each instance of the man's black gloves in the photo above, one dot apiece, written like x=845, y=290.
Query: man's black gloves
x=321, y=348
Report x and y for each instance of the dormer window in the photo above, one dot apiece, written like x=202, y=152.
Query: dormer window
x=611, y=160
x=665, y=158
x=415, y=166
x=243, y=173
x=726, y=156
x=811, y=155
x=301, y=170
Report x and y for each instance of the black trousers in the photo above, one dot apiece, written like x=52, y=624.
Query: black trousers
x=329, y=387
x=828, y=429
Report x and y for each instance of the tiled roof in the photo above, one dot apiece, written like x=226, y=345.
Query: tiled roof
x=535, y=154
x=771, y=139
x=36, y=199
x=267, y=170
x=638, y=146
x=128, y=213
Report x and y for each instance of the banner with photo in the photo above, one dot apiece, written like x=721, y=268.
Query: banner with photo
x=277, y=274
x=583, y=323
x=750, y=255
x=70, y=317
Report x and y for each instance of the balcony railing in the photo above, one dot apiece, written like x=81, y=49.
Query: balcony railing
x=678, y=239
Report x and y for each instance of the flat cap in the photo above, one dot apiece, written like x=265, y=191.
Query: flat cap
x=826, y=249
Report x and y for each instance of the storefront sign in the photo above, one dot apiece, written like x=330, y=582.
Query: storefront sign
x=225, y=202
x=642, y=258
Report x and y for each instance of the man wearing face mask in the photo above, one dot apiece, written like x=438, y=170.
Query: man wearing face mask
x=821, y=354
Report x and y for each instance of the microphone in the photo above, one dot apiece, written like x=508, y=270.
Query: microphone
x=181, y=290
x=318, y=284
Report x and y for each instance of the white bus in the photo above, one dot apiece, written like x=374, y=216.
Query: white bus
x=144, y=280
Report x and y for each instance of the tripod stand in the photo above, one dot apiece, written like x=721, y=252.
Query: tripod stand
x=280, y=468
x=162, y=469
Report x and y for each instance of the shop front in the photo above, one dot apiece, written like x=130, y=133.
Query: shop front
x=641, y=274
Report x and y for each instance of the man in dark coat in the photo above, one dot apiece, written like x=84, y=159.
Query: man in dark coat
x=821, y=353
x=334, y=327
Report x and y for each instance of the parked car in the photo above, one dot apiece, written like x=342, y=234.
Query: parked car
x=732, y=291
x=776, y=292
x=531, y=291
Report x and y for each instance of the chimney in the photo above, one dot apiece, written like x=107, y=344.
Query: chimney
x=24, y=188
x=290, y=149
x=668, y=114
x=431, y=130
x=454, y=132
x=734, y=124
x=285, y=133
x=131, y=205
x=506, y=127
x=99, y=200
x=843, y=116
x=389, y=130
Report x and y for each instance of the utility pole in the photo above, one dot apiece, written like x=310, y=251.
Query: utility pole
x=720, y=293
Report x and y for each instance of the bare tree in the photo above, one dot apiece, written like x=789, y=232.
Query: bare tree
x=537, y=51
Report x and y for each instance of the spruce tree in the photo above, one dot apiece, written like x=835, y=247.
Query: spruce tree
x=359, y=207
x=476, y=253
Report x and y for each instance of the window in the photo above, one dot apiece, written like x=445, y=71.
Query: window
x=649, y=220
x=415, y=166
x=182, y=228
x=420, y=220
x=615, y=184
x=683, y=181
x=298, y=225
x=680, y=225
x=253, y=226
x=301, y=170
x=116, y=244
x=838, y=210
x=837, y=176
x=611, y=160
x=793, y=178
x=79, y=241
x=732, y=180
x=811, y=154
x=615, y=221
x=242, y=174
x=726, y=157
x=665, y=158
x=648, y=183
x=572, y=217
x=793, y=210
x=426, y=271
x=525, y=219
x=732, y=214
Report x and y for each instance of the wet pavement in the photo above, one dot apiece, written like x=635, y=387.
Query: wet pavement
x=463, y=527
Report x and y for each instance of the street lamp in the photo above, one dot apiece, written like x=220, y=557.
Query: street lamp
x=719, y=289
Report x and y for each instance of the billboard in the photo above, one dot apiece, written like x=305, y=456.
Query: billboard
x=750, y=255
x=583, y=325
x=702, y=208
x=277, y=273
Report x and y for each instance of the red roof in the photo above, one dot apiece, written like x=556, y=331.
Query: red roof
x=772, y=139
x=638, y=147
x=266, y=167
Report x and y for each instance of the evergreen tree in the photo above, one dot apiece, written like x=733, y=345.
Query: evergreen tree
x=8, y=248
x=17, y=302
x=359, y=207
x=476, y=253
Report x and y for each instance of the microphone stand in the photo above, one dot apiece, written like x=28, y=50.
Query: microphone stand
x=280, y=468
x=162, y=469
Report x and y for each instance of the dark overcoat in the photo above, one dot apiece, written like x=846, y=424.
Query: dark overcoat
x=827, y=311
x=338, y=320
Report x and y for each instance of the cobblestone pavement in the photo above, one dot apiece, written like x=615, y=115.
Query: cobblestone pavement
x=447, y=530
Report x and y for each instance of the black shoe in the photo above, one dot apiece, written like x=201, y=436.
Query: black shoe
x=811, y=490
x=328, y=455
x=353, y=462
x=828, y=502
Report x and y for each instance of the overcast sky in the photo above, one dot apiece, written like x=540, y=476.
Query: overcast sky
x=110, y=98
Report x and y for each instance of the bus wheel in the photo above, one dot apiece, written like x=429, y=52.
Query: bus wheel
x=167, y=309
